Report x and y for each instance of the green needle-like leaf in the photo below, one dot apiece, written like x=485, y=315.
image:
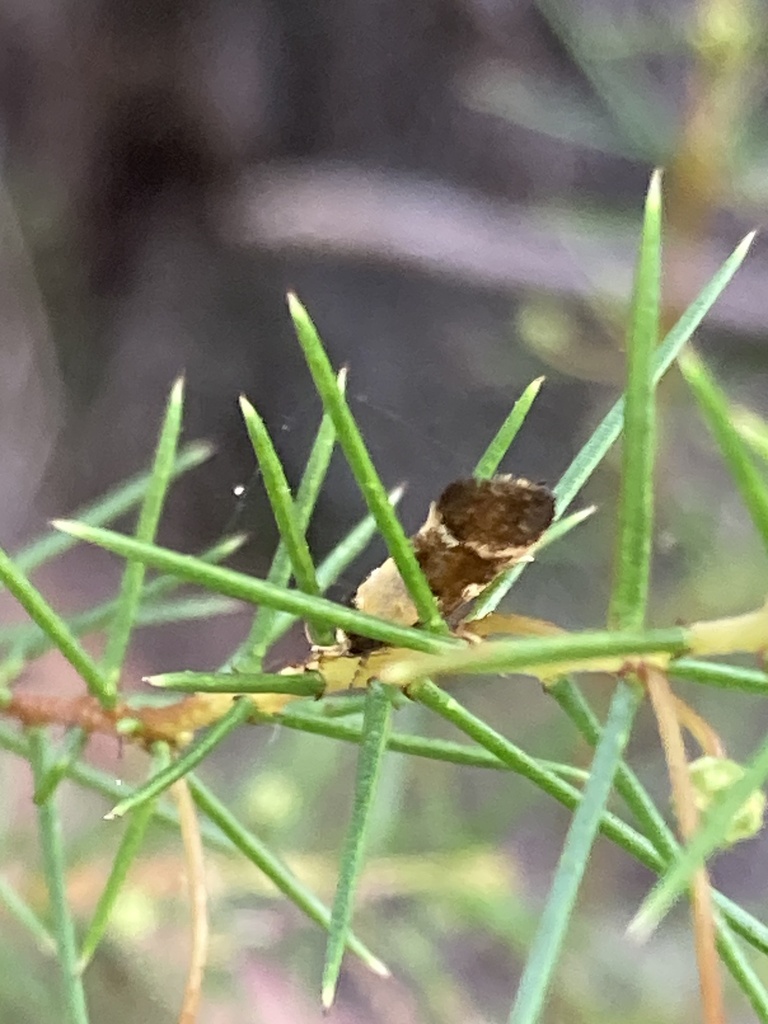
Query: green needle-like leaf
x=266, y=628
x=108, y=508
x=431, y=696
x=637, y=798
x=572, y=702
x=742, y=971
x=718, y=415
x=400, y=743
x=753, y=429
x=545, y=653
x=133, y=837
x=26, y=916
x=289, y=523
x=278, y=873
x=510, y=757
x=609, y=429
x=635, y=514
x=328, y=573
x=184, y=764
x=308, y=684
x=563, y=526
x=376, y=721
x=491, y=458
x=55, y=868
x=59, y=633
x=585, y=794
x=725, y=677
x=256, y=591
x=372, y=489
x=121, y=627
x=73, y=746
x=493, y=593
x=628, y=602
x=186, y=609
x=30, y=642
x=550, y=933
x=111, y=788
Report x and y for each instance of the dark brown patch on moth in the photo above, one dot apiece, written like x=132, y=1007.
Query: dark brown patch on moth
x=450, y=571
x=477, y=529
x=495, y=516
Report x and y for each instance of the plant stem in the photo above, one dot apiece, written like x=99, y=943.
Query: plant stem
x=54, y=867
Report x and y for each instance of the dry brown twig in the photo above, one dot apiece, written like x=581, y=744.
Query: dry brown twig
x=665, y=708
x=195, y=864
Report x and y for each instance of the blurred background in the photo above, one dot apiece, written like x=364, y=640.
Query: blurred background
x=454, y=189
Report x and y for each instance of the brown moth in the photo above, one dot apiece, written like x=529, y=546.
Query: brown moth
x=473, y=532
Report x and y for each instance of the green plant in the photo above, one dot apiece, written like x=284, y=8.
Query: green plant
x=243, y=693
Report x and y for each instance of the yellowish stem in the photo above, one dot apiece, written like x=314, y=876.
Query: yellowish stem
x=747, y=632
x=702, y=911
x=699, y=728
x=195, y=865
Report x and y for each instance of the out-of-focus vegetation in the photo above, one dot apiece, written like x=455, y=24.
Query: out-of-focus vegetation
x=453, y=190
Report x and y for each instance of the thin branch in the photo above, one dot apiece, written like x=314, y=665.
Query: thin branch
x=198, y=898
x=664, y=708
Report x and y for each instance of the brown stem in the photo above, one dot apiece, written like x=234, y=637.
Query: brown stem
x=198, y=898
x=175, y=724
x=666, y=712
x=699, y=728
